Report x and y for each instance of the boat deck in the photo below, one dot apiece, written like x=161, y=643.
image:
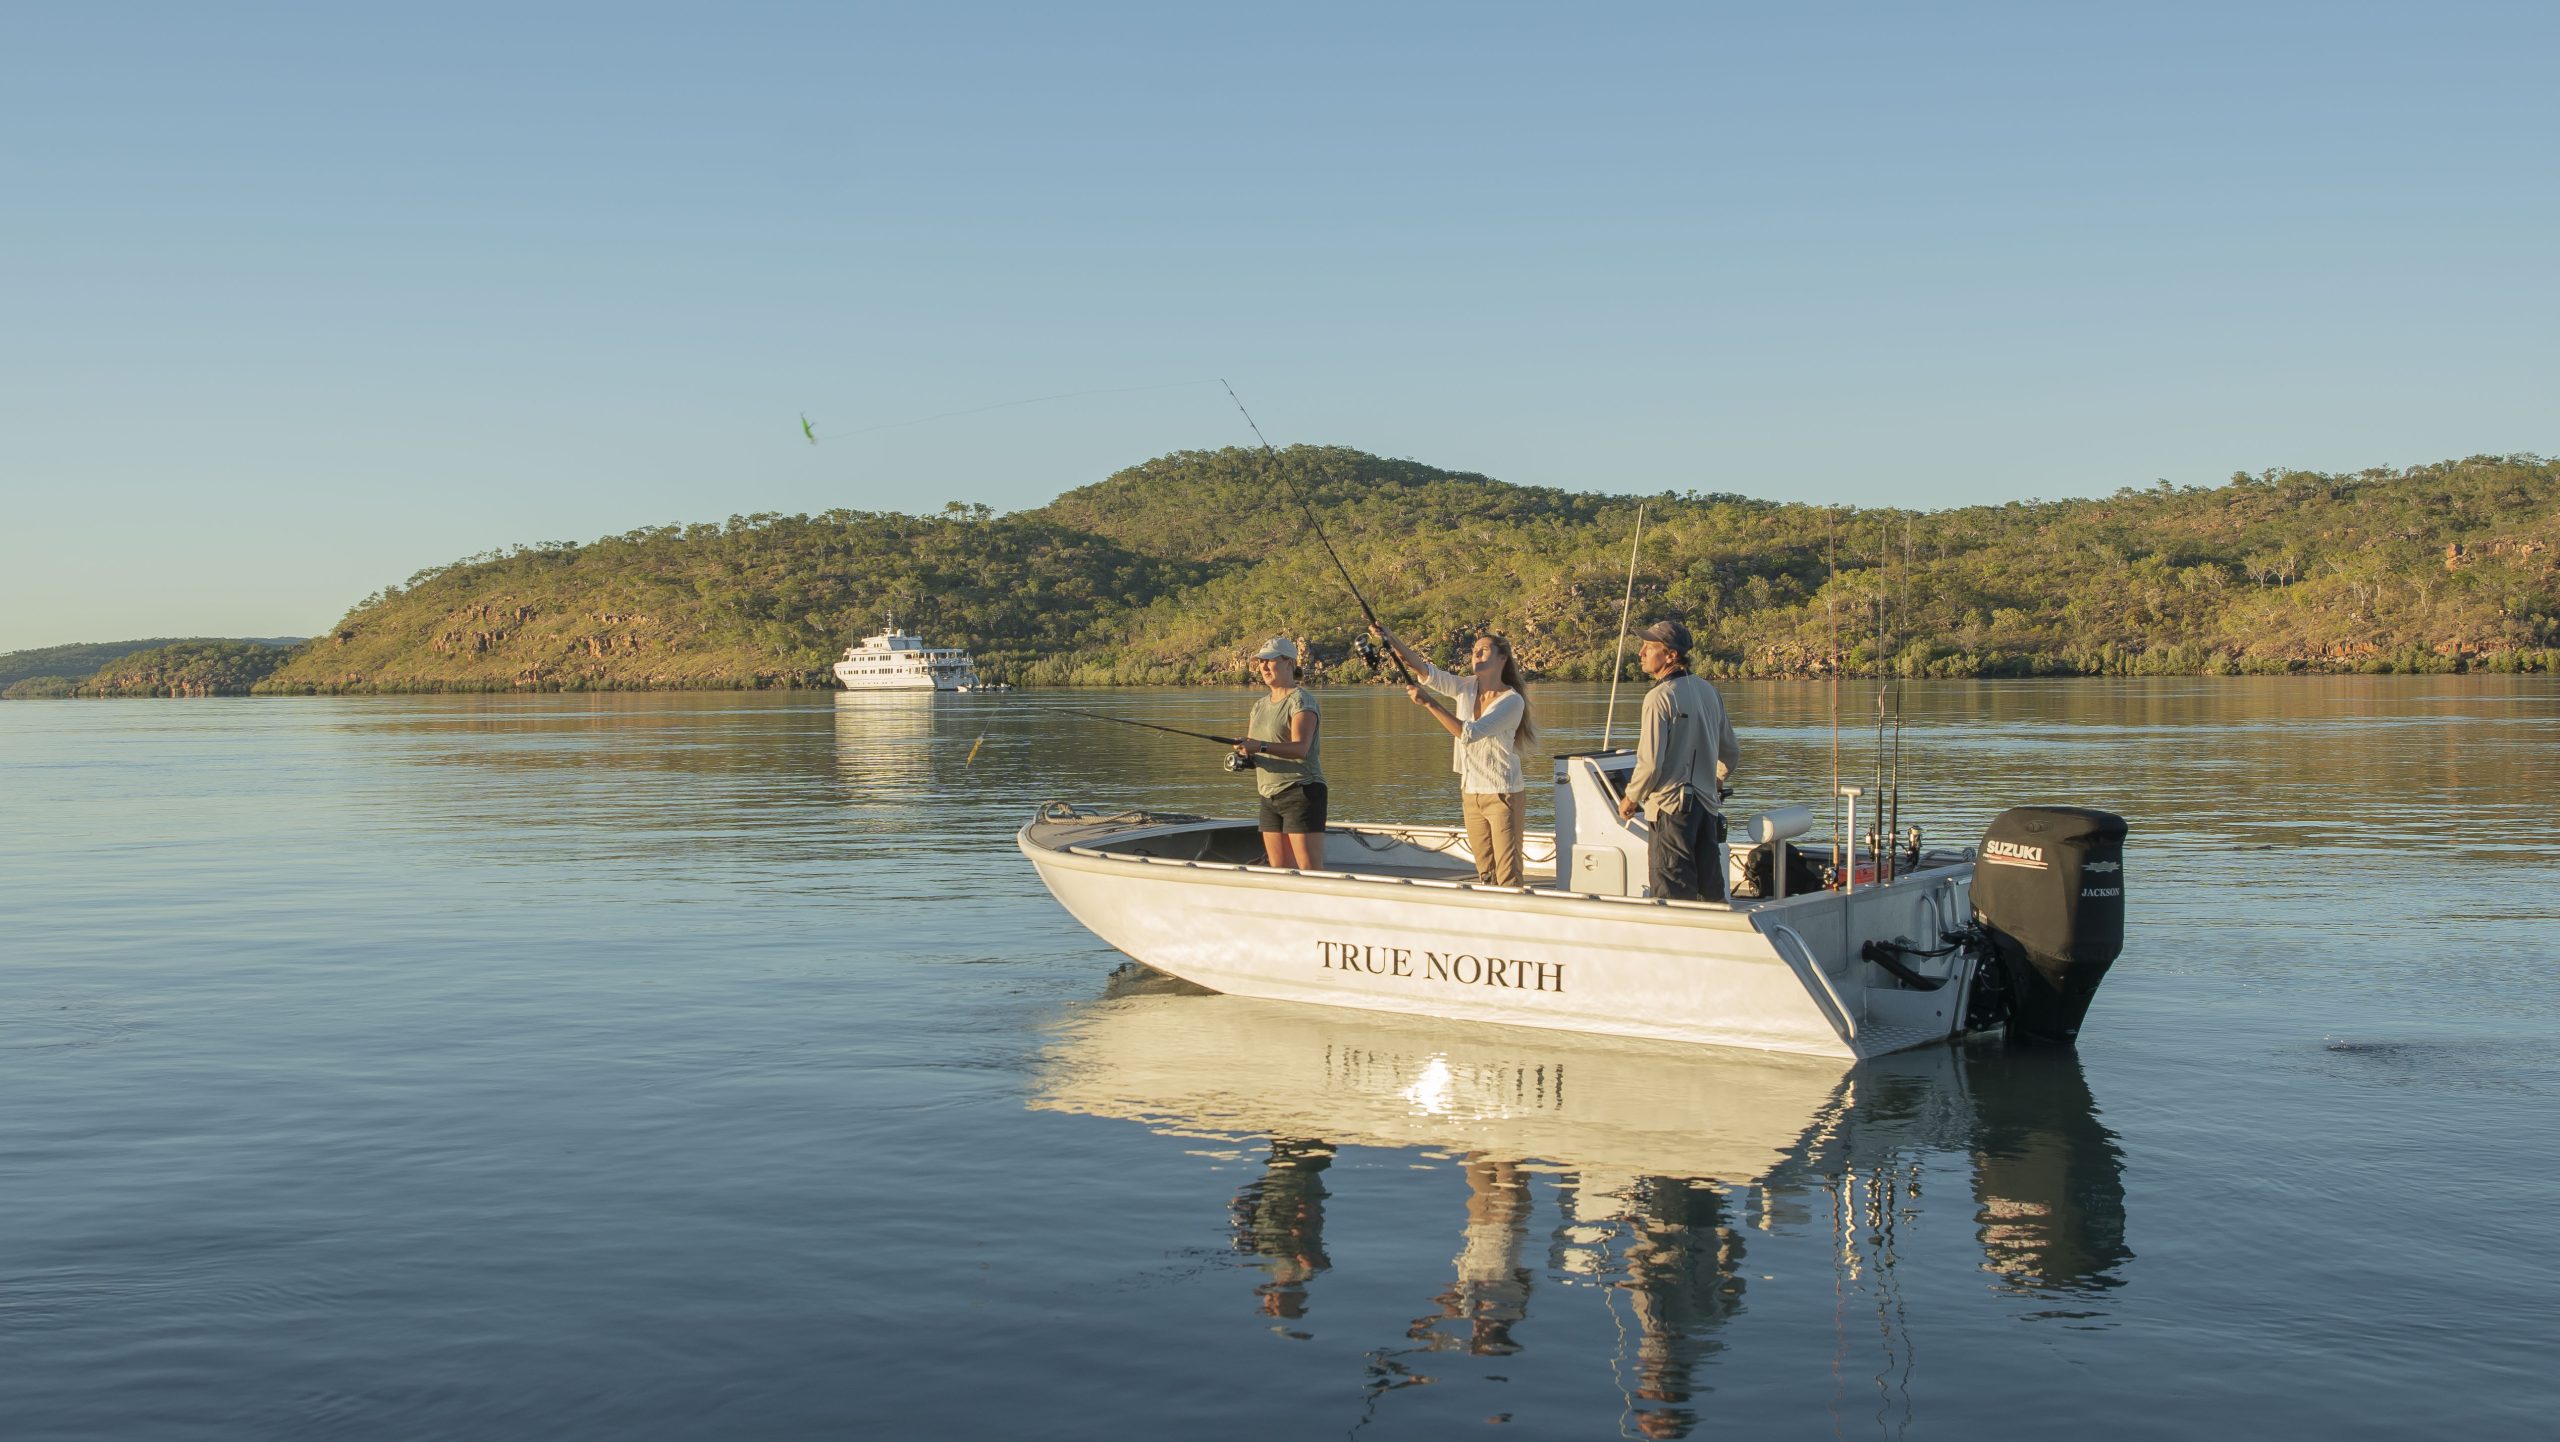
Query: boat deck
x=1424, y=855
x=1413, y=853
x=1430, y=855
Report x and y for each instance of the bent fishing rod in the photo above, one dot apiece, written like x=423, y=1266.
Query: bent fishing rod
x=1272, y=458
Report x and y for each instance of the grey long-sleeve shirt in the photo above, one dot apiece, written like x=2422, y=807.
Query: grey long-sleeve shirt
x=1687, y=740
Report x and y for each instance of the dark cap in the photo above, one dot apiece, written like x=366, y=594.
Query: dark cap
x=1669, y=633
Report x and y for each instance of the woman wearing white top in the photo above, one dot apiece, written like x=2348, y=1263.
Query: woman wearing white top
x=1492, y=727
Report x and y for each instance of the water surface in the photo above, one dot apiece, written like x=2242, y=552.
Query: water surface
x=671, y=1066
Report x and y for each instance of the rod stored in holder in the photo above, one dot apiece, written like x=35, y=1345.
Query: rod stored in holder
x=1618, y=662
x=1847, y=879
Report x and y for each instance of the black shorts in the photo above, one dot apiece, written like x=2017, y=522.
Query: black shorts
x=1297, y=811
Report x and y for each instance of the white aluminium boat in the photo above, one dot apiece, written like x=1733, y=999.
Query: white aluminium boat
x=894, y=660
x=1397, y=923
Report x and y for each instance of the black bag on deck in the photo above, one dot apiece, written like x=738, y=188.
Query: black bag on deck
x=1804, y=873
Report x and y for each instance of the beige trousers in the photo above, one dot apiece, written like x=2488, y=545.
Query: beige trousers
x=1495, y=820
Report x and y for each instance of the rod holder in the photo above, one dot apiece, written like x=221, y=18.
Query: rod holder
x=1849, y=866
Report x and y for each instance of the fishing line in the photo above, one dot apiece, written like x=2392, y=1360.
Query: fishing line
x=1032, y=401
x=1271, y=460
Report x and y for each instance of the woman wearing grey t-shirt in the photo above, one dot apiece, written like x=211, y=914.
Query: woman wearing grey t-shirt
x=1280, y=740
x=1488, y=719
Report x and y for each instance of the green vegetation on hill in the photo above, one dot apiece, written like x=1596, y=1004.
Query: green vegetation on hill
x=82, y=659
x=1171, y=571
x=2442, y=567
x=763, y=600
x=40, y=688
x=189, y=668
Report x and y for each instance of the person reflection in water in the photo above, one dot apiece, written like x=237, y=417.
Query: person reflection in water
x=1491, y=1293
x=1683, y=1279
x=1280, y=1219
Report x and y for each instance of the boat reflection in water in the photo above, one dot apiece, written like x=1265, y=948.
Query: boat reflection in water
x=884, y=745
x=1662, y=1160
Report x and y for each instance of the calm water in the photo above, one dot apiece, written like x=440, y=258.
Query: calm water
x=684, y=1066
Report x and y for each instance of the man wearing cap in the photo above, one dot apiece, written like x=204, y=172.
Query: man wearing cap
x=1280, y=740
x=1683, y=755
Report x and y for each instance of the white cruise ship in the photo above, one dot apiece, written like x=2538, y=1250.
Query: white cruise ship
x=892, y=660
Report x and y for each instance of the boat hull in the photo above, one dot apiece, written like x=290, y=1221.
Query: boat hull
x=1782, y=977
x=853, y=681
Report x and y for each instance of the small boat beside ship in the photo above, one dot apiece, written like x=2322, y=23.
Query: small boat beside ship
x=895, y=660
x=1910, y=947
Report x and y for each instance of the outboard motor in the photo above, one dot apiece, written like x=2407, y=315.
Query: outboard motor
x=2048, y=891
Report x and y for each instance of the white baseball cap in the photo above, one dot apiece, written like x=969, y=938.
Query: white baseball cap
x=1278, y=648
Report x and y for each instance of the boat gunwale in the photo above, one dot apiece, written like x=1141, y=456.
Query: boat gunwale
x=1661, y=909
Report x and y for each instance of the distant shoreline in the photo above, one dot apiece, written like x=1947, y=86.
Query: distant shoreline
x=1244, y=683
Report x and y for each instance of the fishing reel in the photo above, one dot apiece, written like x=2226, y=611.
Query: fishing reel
x=1237, y=762
x=1369, y=653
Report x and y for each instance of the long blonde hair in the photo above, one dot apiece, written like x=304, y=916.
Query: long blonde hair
x=1527, y=736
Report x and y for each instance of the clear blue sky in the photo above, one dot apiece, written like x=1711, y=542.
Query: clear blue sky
x=302, y=299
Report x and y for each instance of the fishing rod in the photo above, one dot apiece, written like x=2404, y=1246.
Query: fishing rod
x=1830, y=613
x=1903, y=603
x=1151, y=726
x=1884, y=597
x=1236, y=761
x=1618, y=663
x=1893, y=793
x=1902, y=606
x=1273, y=459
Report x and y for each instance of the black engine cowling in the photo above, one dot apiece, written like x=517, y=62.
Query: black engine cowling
x=2048, y=890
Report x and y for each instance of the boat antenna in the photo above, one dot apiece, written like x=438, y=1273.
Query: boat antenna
x=1618, y=659
x=1271, y=459
x=1149, y=725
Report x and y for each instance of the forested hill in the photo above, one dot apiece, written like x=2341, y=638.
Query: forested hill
x=1170, y=571
x=161, y=666
x=81, y=659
